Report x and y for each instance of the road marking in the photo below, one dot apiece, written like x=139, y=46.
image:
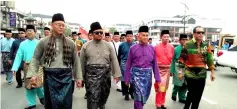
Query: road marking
x=209, y=101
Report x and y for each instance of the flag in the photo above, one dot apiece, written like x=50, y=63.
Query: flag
x=84, y=33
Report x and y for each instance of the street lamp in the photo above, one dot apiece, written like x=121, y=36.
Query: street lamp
x=184, y=17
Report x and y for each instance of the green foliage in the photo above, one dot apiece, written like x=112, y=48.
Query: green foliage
x=112, y=30
x=67, y=31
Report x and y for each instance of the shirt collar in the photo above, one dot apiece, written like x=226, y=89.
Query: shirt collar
x=194, y=40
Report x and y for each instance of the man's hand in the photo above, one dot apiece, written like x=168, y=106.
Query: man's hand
x=212, y=75
x=78, y=53
x=79, y=83
x=126, y=83
x=14, y=73
x=156, y=85
x=33, y=81
x=116, y=80
x=180, y=76
x=10, y=62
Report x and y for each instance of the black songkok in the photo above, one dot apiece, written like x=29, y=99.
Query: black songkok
x=95, y=26
x=143, y=29
x=116, y=33
x=107, y=34
x=58, y=17
x=183, y=36
x=46, y=28
x=165, y=32
x=74, y=33
x=90, y=32
x=123, y=35
x=129, y=32
x=8, y=31
x=30, y=27
x=21, y=29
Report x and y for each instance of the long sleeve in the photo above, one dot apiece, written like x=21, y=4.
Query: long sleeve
x=83, y=60
x=156, y=69
x=119, y=53
x=210, y=62
x=114, y=62
x=1, y=45
x=35, y=62
x=183, y=57
x=18, y=59
x=77, y=65
x=13, y=50
x=172, y=65
x=127, y=74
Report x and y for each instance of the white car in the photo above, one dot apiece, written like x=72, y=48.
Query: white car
x=228, y=58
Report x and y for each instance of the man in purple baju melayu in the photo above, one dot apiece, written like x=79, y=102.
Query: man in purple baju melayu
x=140, y=63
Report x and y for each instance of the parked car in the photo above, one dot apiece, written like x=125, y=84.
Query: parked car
x=228, y=58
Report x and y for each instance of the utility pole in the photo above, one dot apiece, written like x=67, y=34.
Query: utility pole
x=184, y=17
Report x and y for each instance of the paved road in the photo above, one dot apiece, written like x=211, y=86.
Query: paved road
x=220, y=94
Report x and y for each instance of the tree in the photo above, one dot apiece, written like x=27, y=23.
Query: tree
x=67, y=31
x=112, y=30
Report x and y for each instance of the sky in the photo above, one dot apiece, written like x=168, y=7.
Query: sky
x=109, y=12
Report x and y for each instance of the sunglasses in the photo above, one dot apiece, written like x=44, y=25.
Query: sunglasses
x=98, y=32
x=21, y=33
x=200, y=32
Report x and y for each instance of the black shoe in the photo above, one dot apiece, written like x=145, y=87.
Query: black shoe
x=163, y=107
x=132, y=96
x=182, y=101
x=18, y=86
x=158, y=108
x=126, y=97
x=102, y=107
x=173, y=98
x=42, y=101
x=30, y=107
x=85, y=97
x=119, y=90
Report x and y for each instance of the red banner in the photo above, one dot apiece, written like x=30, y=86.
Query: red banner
x=84, y=33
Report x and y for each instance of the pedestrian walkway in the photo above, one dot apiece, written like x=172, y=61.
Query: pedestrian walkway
x=12, y=98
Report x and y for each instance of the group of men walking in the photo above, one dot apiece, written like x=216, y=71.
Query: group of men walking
x=52, y=65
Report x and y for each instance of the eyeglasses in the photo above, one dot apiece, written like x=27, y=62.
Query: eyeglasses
x=98, y=32
x=59, y=25
x=21, y=33
x=199, y=32
x=30, y=30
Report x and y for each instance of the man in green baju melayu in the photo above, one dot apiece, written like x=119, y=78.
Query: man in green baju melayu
x=180, y=86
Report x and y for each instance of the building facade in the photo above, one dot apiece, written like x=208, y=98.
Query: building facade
x=122, y=28
x=74, y=26
x=176, y=26
x=10, y=17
